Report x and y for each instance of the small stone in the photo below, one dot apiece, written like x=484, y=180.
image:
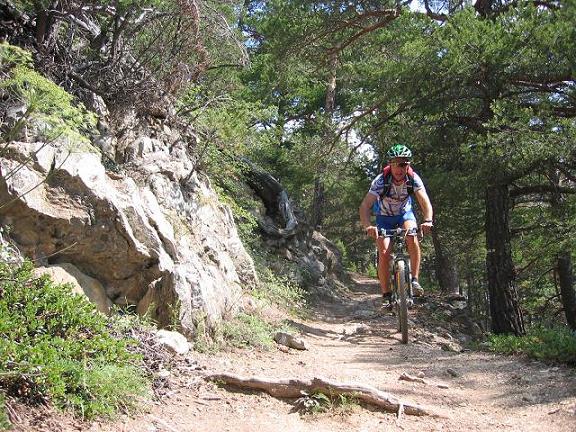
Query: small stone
x=163, y=373
x=177, y=342
x=452, y=373
x=527, y=399
x=290, y=341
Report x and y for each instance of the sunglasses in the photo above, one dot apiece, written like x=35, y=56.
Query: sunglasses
x=400, y=164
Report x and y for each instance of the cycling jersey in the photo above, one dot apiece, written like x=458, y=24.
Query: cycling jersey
x=398, y=201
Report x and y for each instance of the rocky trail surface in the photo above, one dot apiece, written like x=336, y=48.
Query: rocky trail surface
x=350, y=341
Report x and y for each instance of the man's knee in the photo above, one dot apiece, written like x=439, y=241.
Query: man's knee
x=385, y=257
x=412, y=240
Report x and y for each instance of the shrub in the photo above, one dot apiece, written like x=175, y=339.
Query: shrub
x=242, y=331
x=56, y=348
x=279, y=290
x=4, y=421
x=547, y=344
x=44, y=104
x=248, y=331
x=316, y=403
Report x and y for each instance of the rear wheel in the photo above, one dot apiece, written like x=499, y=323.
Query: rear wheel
x=401, y=300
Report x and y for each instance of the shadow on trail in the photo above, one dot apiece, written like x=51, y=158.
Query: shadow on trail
x=307, y=330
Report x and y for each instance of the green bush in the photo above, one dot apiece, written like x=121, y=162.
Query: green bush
x=45, y=105
x=4, y=421
x=248, y=331
x=317, y=403
x=56, y=348
x=279, y=290
x=546, y=344
x=242, y=331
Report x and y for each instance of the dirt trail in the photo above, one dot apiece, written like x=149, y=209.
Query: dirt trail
x=351, y=341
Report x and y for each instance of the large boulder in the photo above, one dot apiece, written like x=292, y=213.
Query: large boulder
x=155, y=237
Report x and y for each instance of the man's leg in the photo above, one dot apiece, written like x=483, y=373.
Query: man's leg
x=413, y=246
x=384, y=250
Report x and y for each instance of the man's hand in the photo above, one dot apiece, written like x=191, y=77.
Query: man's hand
x=372, y=231
x=426, y=227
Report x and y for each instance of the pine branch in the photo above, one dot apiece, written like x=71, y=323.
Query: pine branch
x=542, y=189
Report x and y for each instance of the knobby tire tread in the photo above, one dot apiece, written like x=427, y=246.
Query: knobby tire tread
x=402, y=299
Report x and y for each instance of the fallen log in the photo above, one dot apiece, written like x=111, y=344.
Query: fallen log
x=294, y=388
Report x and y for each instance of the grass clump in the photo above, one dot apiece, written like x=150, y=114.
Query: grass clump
x=546, y=344
x=242, y=331
x=249, y=331
x=57, y=349
x=280, y=291
x=318, y=403
x=4, y=421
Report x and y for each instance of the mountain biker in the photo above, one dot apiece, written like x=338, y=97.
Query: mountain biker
x=395, y=209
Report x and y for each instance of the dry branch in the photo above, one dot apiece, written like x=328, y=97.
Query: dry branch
x=293, y=388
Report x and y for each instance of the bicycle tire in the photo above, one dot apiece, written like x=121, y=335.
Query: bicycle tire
x=402, y=299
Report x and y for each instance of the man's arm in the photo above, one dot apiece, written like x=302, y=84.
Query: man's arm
x=365, y=212
x=426, y=207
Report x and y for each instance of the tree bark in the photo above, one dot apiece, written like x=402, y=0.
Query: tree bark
x=504, y=309
x=567, y=293
x=446, y=268
x=293, y=388
x=318, y=203
x=319, y=198
x=275, y=200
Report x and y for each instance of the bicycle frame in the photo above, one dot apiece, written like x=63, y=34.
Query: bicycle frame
x=399, y=253
x=400, y=276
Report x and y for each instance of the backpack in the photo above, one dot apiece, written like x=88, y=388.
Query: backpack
x=387, y=174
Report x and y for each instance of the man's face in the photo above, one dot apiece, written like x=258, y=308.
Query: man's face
x=399, y=167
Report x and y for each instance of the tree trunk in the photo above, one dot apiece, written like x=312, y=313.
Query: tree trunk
x=446, y=269
x=318, y=203
x=504, y=310
x=275, y=198
x=319, y=199
x=567, y=294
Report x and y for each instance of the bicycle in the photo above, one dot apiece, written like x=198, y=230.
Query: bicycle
x=400, y=276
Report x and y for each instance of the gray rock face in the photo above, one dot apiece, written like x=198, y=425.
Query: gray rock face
x=155, y=237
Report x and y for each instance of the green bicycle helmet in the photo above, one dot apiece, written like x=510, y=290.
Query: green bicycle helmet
x=399, y=151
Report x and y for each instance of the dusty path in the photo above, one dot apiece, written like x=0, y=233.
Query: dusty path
x=351, y=341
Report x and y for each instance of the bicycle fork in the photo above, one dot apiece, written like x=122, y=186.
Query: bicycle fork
x=407, y=276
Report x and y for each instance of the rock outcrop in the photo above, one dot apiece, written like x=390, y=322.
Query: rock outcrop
x=153, y=235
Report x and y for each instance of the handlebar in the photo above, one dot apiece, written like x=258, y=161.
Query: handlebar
x=398, y=232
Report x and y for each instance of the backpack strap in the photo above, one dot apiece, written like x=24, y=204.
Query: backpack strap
x=387, y=175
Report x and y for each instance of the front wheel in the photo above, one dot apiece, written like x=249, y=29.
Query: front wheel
x=401, y=286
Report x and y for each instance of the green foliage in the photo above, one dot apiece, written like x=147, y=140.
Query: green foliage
x=45, y=105
x=165, y=44
x=4, y=420
x=232, y=191
x=242, y=331
x=56, y=348
x=279, y=290
x=248, y=331
x=12, y=56
x=110, y=389
x=546, y=344
x=316, y=403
